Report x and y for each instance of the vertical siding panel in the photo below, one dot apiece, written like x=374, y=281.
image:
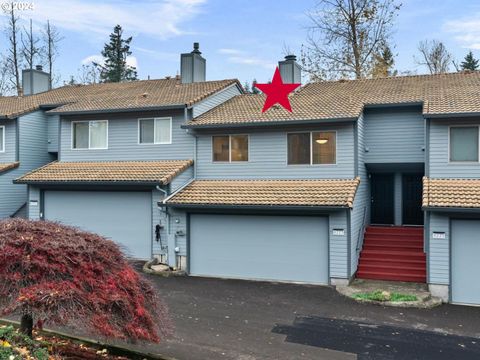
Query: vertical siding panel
x=338, y=247
x=52, y=124
x=361, y=204
x=439, y=249
x=34, y=211
x=394, y=136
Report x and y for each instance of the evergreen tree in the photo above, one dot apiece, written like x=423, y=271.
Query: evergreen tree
x=469, y=63
x=115, y=68
x=383, y=63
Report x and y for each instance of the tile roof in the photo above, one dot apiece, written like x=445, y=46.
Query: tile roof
x=8, y=166
x=440, y=94
x=154, y=172
x=310, y=193
x=454, y=193
x=114, y=96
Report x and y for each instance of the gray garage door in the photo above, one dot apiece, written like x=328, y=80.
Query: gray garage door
x=288, y=248
x=465, y=261
x=124, y=217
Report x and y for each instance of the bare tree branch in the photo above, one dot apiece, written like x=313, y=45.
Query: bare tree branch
x=345, y=36
x=435, y=56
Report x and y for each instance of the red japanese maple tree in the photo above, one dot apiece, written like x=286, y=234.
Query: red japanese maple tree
x=61, y=275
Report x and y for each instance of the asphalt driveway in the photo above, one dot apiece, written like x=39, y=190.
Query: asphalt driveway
x=234, y=319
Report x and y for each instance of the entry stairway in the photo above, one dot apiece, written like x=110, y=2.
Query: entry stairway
x=393, y=253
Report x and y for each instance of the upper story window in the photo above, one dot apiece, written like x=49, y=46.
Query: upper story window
x=464, y=144
x=90, y=134
x=230, y=148
x=2, y=138
x=155, y=131
x=312, y=148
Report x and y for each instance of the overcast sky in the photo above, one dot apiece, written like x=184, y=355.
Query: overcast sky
x=239, y=38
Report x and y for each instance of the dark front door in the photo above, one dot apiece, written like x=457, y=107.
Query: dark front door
x=412, y=199
x=382, y=198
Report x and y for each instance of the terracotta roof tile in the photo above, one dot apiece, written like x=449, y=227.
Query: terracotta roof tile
x=8, y=166
x=114, y=96
x=439, y=94
x=335, y=193
x=454, y=193
x=155, y=172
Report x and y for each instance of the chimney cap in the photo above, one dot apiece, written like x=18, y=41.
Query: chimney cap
x=196, y=48
x=291, y=57
x=39, y=67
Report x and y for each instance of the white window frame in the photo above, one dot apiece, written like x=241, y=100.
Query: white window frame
x=230, y=149
x=2, y=150
x=311, y=147
x=450, y=162
x=89, y=122
x=154, y=130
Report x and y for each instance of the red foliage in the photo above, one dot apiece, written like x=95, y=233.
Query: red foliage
x=66, y=276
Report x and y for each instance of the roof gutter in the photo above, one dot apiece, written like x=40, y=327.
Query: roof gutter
x=116, y=110
x=91, y=183
x=451, y=209
x=450, y=115
x=256, y=207
x=255, y=124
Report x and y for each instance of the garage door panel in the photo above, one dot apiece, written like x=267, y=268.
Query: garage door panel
x=124, y=217
x=465, y=261
x=286, y=248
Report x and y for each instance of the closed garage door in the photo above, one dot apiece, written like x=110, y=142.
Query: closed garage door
x=124, y=217
x=465, y=261
x=286, y=248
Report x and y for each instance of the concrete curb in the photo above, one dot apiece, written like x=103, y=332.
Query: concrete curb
x=112, y=349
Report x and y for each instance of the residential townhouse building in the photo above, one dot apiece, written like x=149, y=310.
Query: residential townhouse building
x=328, y=192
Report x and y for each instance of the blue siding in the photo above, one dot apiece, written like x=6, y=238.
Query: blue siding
x=361, y=204
x=268, y=158
x=181, y=179
x=178, y=225
x=32, y=153
x=439, y=249
x=215, y=100
x=123, y=142
x=394, y=136
x=53, y=132
x=10, y=153
x=338, y=246
x=33, y=210
x=439, y=164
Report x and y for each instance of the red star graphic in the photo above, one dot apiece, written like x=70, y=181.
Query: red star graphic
x=277, y=92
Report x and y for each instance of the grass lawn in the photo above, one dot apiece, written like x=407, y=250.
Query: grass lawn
x=379, y=295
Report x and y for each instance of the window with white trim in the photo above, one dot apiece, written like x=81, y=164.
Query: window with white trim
x=464, y=144
x=90, y=134
x=2, y=138
x=155, y=131
x=312, y=148
x=230, y=148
